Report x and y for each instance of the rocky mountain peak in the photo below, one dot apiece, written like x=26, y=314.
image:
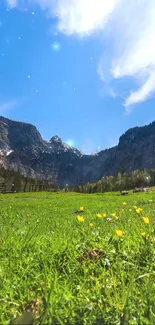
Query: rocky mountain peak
x=22, y=148
x=55, y=139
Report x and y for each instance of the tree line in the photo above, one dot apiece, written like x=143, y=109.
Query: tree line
x=11, y=181
x=120, y=182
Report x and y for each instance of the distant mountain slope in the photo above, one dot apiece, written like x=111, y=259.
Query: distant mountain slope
x=22, y=148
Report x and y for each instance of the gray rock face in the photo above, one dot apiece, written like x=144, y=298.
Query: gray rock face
x=22, y=148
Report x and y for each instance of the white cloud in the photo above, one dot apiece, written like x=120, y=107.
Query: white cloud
x=142, y=93
x=12, y=3
x=136, y=56
x=7, y=106
x=79, y=16
x=127, y=28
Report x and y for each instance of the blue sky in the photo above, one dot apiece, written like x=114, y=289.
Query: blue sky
x=83, y=70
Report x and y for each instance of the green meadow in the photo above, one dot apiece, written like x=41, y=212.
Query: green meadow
x=68, y=258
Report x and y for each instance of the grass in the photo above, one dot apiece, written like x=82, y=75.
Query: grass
x=48, y=259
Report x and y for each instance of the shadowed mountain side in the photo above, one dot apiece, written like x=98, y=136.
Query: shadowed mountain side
x=22, y=148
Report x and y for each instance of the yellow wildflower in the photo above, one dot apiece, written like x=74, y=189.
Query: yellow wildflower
x=124, y=203
x=81, y=208
x=135, y=207
x=91, y=225
x=146, y=220
x=143, y=234
x=150, y=201
x=104, y=214
x=80, y=218
x=138, y=210
x=119, y=233
x=98, y=215
x=114, y=215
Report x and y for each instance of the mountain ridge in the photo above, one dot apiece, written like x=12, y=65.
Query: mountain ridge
x=22, y=148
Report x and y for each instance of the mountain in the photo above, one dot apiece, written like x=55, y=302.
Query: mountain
x=22, y=148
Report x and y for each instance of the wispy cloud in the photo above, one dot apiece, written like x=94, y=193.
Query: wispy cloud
x=127, y=27
x=145, y=91
x=79, y=17
x=12, y=3
x=7, y=106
